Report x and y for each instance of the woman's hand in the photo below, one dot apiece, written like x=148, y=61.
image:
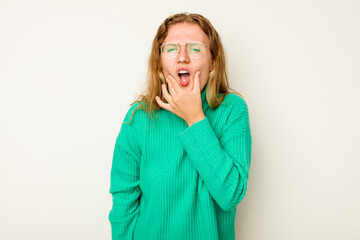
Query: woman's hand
x=185, y=104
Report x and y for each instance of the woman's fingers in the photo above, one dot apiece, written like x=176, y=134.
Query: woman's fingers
x=173, y=86
x=167, y=96
x=165, y=93
x=161, y=103
x=197, y=82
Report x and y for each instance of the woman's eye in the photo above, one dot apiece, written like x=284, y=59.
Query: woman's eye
x=171, y=49
x=194, y=49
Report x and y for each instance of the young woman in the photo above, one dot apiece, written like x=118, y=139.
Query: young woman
x=182, y=157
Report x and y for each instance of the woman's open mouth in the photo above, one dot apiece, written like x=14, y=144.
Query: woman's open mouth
x=184, y=77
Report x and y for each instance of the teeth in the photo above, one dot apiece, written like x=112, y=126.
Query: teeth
x=183, y=71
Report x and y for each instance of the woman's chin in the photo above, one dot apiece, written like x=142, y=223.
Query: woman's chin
x=186, y=88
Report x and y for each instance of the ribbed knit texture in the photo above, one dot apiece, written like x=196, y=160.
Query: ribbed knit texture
x=174, y=182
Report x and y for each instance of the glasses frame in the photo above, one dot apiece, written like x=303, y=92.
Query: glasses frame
x=180, y=45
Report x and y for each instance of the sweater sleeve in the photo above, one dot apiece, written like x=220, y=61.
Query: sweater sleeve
x=223, y=163
x=124, y=185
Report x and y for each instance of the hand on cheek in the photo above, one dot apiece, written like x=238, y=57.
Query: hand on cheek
x=185, y=104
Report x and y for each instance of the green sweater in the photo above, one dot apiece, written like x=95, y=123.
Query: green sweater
x=170, y=181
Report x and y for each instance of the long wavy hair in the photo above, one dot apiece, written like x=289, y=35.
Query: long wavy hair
x=217, y=85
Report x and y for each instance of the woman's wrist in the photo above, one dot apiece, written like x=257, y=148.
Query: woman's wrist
x=195, y=120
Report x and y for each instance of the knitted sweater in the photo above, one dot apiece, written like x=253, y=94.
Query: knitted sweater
x=170, y=181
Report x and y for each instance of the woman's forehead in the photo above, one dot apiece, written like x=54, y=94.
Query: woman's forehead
x=186, y=32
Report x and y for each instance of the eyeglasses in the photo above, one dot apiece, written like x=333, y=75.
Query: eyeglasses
x=195, y=50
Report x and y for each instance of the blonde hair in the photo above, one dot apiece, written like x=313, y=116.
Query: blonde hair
x=217, y=85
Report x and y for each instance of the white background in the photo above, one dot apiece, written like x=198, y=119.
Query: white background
x=70, y=69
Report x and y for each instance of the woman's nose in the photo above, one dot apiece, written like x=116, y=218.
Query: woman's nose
x=183, y=55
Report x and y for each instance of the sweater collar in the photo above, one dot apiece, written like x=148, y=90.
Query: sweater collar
x=204, y=102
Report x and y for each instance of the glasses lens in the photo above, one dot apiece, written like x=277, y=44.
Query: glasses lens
x=170, y=50
x=195, y=50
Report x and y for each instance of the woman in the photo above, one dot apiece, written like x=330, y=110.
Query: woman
x=181, y=174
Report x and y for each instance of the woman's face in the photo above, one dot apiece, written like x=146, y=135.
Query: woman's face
x=184, y=33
